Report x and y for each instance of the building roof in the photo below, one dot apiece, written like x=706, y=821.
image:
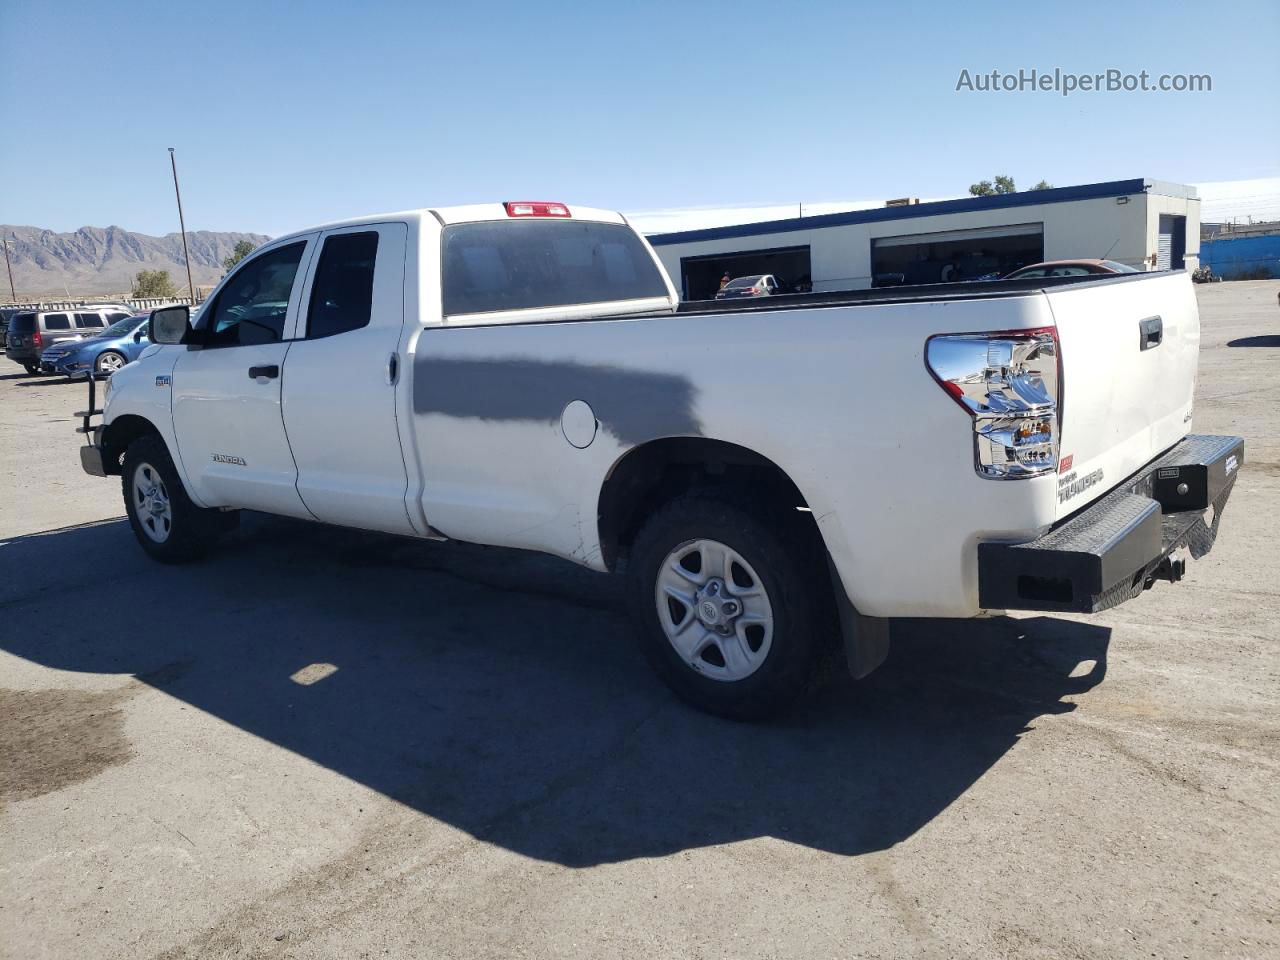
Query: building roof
x=1087, y=191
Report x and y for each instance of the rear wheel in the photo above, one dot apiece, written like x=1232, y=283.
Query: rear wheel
x=109, y=361
x=732, y=605
x=168, y=525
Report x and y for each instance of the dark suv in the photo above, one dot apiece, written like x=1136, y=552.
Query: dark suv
x=31, y=331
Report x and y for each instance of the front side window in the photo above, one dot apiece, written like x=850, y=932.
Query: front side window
x=57, y=321
x=252, y=306
x=89, y=320
x=499, y=265
x=342, y=292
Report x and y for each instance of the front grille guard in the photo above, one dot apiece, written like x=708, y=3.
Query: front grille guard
x=86, y=416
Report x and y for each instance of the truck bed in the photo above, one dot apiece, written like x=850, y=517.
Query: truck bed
x=921, y=293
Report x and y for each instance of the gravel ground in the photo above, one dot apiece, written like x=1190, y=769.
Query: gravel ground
x=322, y=743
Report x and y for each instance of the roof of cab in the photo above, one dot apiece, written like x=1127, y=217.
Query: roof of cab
x=466, y=213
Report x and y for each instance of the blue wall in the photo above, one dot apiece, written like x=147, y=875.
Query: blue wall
x=1229, y=257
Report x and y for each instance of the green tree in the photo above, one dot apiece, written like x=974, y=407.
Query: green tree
x=1001, y=184
x=153, y=283
x=241, y=250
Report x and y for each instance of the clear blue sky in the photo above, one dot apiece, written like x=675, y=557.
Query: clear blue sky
x=285, y=115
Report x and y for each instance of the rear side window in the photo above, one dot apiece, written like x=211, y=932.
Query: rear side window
x=113, y=317
x=57, y=321
x=342, y=293
x=89, y=320
x=524, y=264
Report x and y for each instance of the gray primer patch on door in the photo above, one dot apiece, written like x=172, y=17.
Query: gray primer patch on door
x=633, y=405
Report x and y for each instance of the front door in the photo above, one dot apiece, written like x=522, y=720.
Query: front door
x=226, y=392
x=341, y=378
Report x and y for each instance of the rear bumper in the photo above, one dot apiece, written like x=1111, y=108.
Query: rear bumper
x=1116, y=548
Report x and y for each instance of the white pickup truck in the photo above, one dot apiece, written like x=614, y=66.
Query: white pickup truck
x=776, y=479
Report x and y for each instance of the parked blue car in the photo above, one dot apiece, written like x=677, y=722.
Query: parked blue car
x=103, y=353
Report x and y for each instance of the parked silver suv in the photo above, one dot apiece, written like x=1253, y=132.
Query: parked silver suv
x=32, y=331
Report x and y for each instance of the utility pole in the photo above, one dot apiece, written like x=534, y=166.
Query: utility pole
x=186, y=255
x=8, y=266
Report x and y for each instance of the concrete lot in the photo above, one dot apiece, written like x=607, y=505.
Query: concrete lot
x=491, y=771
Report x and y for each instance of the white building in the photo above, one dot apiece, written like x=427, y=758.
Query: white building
x=1147, y=224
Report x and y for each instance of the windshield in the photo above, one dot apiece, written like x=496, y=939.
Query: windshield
x=120, y=327
x=741, y=282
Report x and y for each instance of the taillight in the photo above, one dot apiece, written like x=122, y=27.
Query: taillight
x=1010, y=385
x=537, y=210
x=36, y=340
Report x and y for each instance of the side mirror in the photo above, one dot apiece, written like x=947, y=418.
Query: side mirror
x=137, y=335
x=171, y=325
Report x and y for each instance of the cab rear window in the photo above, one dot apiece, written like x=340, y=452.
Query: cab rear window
x=526, y=264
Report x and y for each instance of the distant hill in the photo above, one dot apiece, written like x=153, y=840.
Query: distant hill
x=102, y=260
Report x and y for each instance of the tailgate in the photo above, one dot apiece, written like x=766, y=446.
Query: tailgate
x=1129, y=353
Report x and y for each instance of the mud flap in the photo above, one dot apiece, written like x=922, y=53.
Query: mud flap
x=865, y=639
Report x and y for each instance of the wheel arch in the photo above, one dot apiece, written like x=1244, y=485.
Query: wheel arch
x=119, y=433
x=659, y=470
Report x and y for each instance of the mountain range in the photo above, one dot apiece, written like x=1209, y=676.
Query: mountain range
x=104, y=260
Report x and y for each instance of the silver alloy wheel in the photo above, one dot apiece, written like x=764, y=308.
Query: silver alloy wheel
x=714, y=610
x=151, y=503
x=110, y=362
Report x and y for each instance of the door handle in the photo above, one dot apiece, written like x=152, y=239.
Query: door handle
x=393, y=369
x=270, y=372
x=1152, y=333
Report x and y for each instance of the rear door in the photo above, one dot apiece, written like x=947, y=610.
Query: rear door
x=1129, y=353
x=341, y=376
x=226, y=394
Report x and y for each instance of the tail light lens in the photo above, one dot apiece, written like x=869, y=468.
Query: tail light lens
x=1010, y=385
x=36, y=340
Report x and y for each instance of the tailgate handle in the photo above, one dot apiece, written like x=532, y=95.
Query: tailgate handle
x=1152, y=330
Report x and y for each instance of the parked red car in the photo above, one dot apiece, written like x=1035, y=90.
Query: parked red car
x=1069, y=268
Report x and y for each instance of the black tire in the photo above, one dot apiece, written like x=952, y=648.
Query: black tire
x=189, y=531
x=790, y=567
x=31, y=368
x=97, y=364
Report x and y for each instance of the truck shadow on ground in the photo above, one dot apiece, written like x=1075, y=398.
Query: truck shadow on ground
x=1262, y=340
x=501, y=692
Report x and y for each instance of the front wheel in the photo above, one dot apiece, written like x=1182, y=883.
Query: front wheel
x=109, y=362
x=732, y=605
x=167, y=524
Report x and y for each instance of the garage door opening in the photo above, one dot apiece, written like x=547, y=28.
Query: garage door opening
x=700, y=276
x=984, y=254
